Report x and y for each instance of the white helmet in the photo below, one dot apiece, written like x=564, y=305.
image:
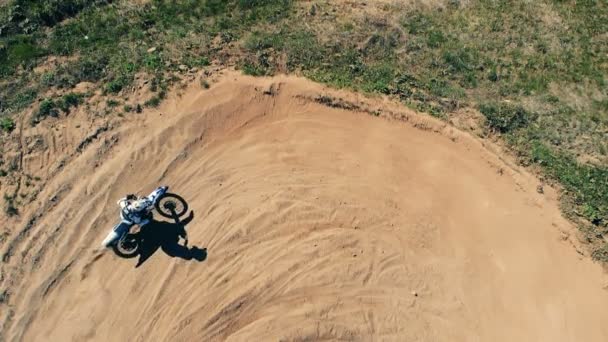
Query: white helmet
x=139, y=205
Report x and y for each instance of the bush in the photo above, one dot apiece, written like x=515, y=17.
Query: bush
x=7, y=124
x=47, y=108
x=10, y=208
x=69, y=100
x=112, y=103
x=153, y=102
x=505, y=118
x=117, y=84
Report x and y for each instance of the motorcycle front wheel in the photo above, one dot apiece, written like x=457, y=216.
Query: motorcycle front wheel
x=127, y=247
x=171, y=205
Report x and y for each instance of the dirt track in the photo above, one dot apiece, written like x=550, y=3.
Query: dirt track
x=319, y=223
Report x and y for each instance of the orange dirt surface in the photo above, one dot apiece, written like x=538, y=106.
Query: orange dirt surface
x=320, y=222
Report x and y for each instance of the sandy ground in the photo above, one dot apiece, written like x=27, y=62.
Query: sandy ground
x=319, y=224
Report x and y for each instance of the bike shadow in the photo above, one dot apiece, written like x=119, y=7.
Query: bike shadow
x=165, y=236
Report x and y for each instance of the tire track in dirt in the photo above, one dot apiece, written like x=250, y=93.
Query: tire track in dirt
x=319, y=224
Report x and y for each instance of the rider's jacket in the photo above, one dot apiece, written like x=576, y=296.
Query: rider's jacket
x=137, y=211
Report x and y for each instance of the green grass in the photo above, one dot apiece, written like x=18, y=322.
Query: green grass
x=111, y=39
x=7, y=124
x=587, y=184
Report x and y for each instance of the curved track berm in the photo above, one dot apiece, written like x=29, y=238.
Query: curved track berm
x=321, y=222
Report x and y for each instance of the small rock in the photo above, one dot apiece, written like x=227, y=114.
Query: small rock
x=152, y=49
x=313, y=10
x=193, y=70
x=182, y=67
x=414, y=293
x=540, y=189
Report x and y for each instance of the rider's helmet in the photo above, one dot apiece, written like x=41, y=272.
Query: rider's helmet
x=139, y=205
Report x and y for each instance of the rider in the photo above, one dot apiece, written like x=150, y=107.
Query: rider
x=134, y=210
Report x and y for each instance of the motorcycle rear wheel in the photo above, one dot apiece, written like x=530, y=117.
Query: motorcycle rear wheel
x=128, y=247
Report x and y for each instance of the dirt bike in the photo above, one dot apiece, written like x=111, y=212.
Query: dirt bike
x=125, y=241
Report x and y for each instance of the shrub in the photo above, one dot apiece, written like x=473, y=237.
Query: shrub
x=503, y=117
x=10, y=208
x=47, y=108
x=69, y=100
x=153, y=102
x=116, y=85
x=112, y=103
x=7, y=124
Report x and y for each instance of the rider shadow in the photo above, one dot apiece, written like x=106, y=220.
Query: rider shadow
x=165, y=235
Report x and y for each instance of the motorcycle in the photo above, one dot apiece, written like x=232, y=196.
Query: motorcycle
x=124, y=241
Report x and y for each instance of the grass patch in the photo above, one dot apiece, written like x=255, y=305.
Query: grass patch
x=7, y=124
x=111, y=39
x=586, y=184
x=504, y=117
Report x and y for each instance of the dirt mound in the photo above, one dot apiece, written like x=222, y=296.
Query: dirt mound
x=320, y=222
